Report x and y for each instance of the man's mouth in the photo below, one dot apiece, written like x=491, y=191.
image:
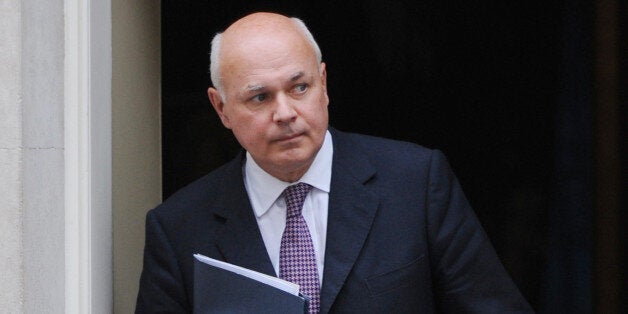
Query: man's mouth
x=289, y=137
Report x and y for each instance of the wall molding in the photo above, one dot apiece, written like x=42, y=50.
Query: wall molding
x=87, y=142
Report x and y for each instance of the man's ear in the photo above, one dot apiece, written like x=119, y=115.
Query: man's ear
x=218, y=104
x=323, y=71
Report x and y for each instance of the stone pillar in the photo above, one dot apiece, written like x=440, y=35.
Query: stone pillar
x=56, y=238
x=32, y=256
x=11, y=255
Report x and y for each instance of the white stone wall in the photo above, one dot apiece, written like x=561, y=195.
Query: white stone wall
x=11, y=257
x=31, y=156
x=50, y=262
x=42, y=155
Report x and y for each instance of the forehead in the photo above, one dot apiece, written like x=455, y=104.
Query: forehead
x=246, y=79
x=266, y=56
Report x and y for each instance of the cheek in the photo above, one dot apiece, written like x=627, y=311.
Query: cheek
x=317, y=111
x=320, y=114
x=249, y=132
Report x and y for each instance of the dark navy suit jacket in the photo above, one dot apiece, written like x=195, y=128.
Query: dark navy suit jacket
x=401, y=237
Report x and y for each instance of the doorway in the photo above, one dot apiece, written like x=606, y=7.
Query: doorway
x=478, y=81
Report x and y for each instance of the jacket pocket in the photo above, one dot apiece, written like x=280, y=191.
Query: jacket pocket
x=404, y=276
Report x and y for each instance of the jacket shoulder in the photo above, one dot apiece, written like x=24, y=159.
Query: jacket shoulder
x=201, y=192
x=382, y=149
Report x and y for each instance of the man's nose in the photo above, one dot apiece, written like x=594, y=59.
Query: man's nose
x=284, y=110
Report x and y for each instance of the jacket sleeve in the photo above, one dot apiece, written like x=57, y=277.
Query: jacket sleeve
x=468, y=276
x=161, y=285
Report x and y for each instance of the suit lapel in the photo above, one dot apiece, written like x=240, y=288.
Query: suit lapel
x=239, y=239
x=352, y=208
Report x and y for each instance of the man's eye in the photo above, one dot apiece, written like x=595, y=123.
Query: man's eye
x=300, y=88
x=259, y=97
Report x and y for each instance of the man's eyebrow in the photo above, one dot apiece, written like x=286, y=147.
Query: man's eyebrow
x=253, y=88
x=297, y=76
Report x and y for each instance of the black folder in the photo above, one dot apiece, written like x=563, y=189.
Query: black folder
x=217, y=290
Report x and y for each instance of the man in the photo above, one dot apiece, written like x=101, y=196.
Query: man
x=387, y=227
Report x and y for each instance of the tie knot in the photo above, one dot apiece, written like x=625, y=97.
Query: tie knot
x=295, y=196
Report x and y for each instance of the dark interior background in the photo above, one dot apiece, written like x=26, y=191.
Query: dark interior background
x=504, y=88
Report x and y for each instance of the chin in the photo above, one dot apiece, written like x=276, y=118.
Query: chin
x=292, y=163
x=295, y=161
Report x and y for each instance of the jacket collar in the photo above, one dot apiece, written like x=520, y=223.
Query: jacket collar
x=352, y=207
x=239, y=239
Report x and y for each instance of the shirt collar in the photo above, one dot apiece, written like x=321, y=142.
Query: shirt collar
x=264, y=189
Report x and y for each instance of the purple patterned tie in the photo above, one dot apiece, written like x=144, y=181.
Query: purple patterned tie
x=297, y=259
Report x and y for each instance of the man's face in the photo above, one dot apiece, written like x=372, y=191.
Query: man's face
x=275, y=101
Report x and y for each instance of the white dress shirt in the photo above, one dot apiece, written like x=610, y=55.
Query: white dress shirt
x=269, y=206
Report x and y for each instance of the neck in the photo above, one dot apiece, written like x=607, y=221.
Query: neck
x=288, y=176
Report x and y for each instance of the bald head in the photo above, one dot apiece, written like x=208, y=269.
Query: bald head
x=249, y=34
x=270, y=90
